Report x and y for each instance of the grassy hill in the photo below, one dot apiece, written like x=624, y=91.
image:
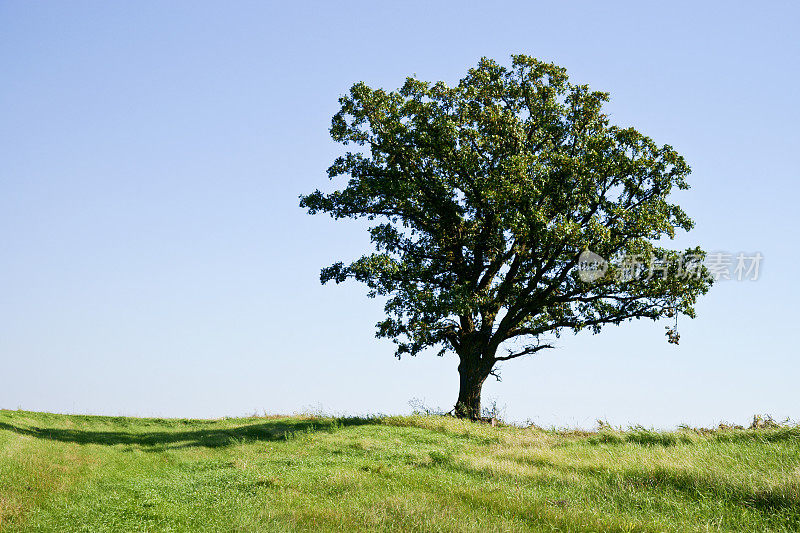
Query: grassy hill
x=90, y=473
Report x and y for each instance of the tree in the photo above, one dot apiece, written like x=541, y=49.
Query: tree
x=484, y=196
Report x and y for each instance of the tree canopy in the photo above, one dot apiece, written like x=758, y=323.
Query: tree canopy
x=485, y=195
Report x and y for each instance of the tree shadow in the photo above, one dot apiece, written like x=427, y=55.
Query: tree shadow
x=212, y=437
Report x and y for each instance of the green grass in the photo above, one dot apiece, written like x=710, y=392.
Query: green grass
x=90, y=473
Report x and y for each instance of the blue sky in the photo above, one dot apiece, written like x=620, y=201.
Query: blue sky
x=155, y=262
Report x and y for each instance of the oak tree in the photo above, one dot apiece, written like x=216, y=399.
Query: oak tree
x=484, y=197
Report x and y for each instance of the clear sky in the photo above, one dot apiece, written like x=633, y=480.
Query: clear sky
x=154, y=260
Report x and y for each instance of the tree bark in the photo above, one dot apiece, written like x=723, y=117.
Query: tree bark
x=472, y=373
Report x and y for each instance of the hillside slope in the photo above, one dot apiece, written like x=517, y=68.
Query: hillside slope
x=87, y=473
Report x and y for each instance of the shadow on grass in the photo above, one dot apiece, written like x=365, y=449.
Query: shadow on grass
x=271, y=430
x=647, y=437
x=778, y=503
x=642, y=437
x=697, y=485
x=691, y=485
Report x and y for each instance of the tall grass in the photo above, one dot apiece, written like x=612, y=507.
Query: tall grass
x=419, y=473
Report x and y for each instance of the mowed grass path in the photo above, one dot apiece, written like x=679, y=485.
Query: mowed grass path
x=88, y=473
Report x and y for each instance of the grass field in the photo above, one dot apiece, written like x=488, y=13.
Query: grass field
x=88, y=473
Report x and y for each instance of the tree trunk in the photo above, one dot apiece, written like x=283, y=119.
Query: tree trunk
x=471, y=377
